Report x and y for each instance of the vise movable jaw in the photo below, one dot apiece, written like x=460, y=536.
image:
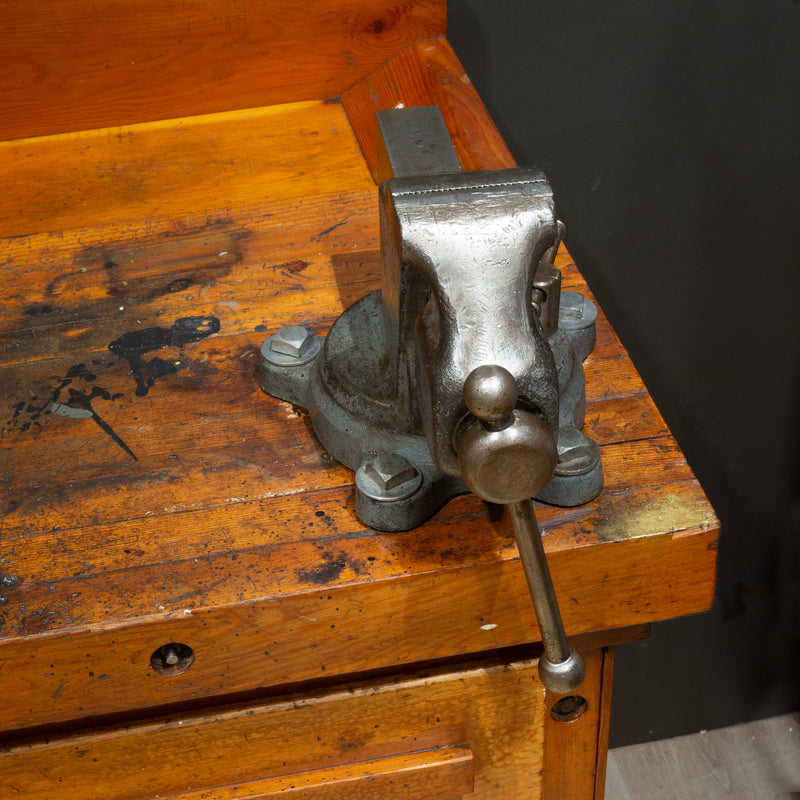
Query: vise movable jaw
x=464, y=372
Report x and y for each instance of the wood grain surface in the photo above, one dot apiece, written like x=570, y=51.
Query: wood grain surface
x=428, y=74
x=571, y=744
x=443, y=733
x=70, y=65
x=184, y=505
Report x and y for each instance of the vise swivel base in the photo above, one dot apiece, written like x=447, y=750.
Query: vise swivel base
x=464, y=372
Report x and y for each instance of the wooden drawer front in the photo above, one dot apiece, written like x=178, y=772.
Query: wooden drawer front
x=476, y=732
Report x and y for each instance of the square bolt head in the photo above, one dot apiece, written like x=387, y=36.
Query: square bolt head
x=390, y=470
x=577, y=453
x=292, y=340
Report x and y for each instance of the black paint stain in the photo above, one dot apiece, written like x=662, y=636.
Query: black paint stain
x=135, y=345
x=81, y=371
x=332, y=228
x=326, y=572
x=81, y=400
x=42, y=309
x=27, y=414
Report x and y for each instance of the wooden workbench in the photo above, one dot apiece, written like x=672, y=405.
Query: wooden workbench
x=152, y=494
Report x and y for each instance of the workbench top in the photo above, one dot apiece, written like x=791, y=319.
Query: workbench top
x=152, y=493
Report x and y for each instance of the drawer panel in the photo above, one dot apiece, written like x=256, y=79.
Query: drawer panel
x=487, y=717
x=431, y=775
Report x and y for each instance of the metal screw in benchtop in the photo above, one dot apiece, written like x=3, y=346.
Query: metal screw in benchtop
x=291, y=346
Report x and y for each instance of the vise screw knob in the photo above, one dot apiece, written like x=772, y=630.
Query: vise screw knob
x=506, y=456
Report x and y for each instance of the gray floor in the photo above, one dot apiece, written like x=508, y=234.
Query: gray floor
x=756, y=761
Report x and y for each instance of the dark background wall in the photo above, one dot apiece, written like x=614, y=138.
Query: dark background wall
x=670, y=132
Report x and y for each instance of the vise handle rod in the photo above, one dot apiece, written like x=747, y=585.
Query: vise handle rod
x=507, y=456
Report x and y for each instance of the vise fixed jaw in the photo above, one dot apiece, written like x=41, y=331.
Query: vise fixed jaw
x=464, y=372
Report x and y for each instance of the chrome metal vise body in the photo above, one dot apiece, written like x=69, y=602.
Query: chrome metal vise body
x=464, y=372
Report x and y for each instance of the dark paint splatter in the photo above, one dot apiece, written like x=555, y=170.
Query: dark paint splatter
x=260, y=328
x=36, y=408
x=134, y=345
x=79, y=400
x=42, y=309
x=78, y=406
x=81, y=371
x=324, y=573
x=332, y=228
x=33, y=411
x=330, y=569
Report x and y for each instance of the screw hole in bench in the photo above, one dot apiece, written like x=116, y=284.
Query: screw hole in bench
x=172, y=658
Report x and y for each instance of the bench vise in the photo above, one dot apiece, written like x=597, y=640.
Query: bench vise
x=465, y=371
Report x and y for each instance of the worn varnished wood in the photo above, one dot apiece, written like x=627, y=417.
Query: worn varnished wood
x=232, y=530
x=70, y=65
x=571, y=770
x=604, y=724
x=454, y=731
x=444, y=772
x=204, y=165
x=428, y=74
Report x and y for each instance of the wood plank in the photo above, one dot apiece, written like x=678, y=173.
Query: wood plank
x=77, y=64
x=76, y=292
x=604, y=724
x=492, y=709
x=431, y=775
x=227, y=556
x=69, y=308
x=209, y=163
x=218, y=372
x=569, y=769
x=428, y=73
x=165, y=481
x=341, y=618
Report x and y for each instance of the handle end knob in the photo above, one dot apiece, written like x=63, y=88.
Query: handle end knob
x=490, y=393
x=563, y=677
